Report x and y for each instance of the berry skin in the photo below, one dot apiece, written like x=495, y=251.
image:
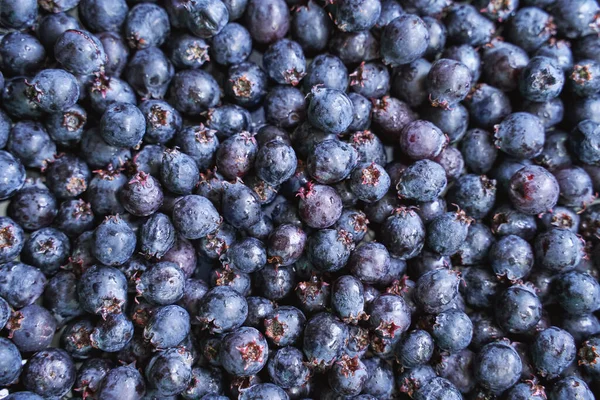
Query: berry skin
x=403, y=233
x=232, y=45
x=389, y=316
x=195, y=217
x=112, y=334
x=404, y=40
x=167, y=327
x=585, y=142
x=49, y=373
x=263, y=391
x=324, y=338
x=578, y=293
x=497, y=367
x=569, y=388
x=123, y=382
x=558, y=250
x=320, y=206
x=275, y=162
x=30, y=142
x=576, y=189
x=240, y=207
x=422, y=181
x=332, y=161
x=222, y=310
x=552, y=351
x=415, y=349
x=422, y=139
x=436, y=290
x=520, y=135
x=474, y=194
x=330, y=110
x=541, y=80
x=446, y=233
x=511, y=257
x=518, y=309
x=12, y=176
x=449, y=82
x=102, y=290
x=10, y=367
x=438, y=387
x=21, y=284
x=533, y=190
x=80, y=52
x=287, y=369
x=370, y=262
x=267, y=21
x=114, y=241
x=67, y=176
x=466, y=25
x=244, y=352
x=170, y=372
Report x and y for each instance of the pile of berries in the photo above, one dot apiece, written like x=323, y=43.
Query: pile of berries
x=299, y=199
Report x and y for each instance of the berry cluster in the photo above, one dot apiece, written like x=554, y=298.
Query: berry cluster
x=300, y=199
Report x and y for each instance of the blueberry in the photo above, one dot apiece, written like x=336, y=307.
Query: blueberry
x=222, y=310
x=466, y=25
x=149, y=73
x=112, y=334
x=31, y=328
x=18, y=15
x=146, y=25
x=123, y=382
x=446, y=233
x=193, y=91
x=320, y=206
x=412, y=379
x=474, y=194
x=91, y=374
x=578, y=293
x=570, y=387
x=552, y=351
x=105, y=90
x=329, y=110
x=409, y=83
x=404, y=40
x=195, y=217
x=518, y=309
x=530, y=28
x=246, y=84
x=10, y=368
x=170, y=372
x=436, y=290
x=452, y=122
x=167, y=327
x=13, y=175
x=422, y=181
x=206, y=18
x=542, y=79
x=103, y=15
x=244, y=352
x=324, y=336
x=66, y=127
x=22, y=54
x=80, y=52
x=267, y=21
x=205, y=382
x=311, y=26
x=476, y=246
x=117, y=52
x=50, y=373
x=54, y=90
x=555, y=154
x=21, y=284
x=29, y=141
x=533, y=190
x=263, y=390
x=449, y=82
x=403, y=233
x=497, y=367
x=438, y=387
x=390, y=116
